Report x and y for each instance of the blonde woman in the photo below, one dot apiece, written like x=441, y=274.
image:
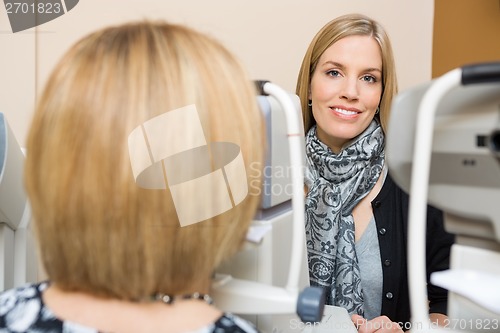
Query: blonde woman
x=356, y=216
x=117, y=255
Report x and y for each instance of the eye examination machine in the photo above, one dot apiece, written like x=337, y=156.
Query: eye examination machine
x=443, y=148
x=268, y=281
x=17, y=254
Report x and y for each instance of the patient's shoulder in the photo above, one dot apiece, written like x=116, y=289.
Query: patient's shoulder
x=26, y=294
x=22, y=310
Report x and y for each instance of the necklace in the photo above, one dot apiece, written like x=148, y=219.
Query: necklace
x=167, y=299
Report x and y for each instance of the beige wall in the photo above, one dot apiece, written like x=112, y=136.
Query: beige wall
x=270, y=37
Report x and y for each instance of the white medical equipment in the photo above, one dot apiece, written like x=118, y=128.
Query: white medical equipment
x=18, y=263
x=267, y=282
x=272, y=284
x=443, y=147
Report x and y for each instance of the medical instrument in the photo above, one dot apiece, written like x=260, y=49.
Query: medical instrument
x=264, y=281
x=18, y=262
x=239, y=289
x=443, y=148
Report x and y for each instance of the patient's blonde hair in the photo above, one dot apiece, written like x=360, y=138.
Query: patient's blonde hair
x=98, y=231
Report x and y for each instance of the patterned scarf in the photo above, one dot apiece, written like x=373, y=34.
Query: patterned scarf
x=336, y=184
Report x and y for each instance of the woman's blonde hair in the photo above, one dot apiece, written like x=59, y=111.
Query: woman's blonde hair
x=341, y=27
x=98, y=231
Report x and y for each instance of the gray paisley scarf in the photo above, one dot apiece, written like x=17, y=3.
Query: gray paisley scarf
x=336, y=184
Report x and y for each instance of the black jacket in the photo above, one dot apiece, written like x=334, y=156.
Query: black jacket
x=390, y=209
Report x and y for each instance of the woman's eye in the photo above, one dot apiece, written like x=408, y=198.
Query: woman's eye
x=333, y=72
x=369, y=78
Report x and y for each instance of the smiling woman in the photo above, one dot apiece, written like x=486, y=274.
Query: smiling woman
x=346, y=88
x=356, y=216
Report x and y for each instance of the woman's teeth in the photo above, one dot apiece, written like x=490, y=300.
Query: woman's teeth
x=346, y=112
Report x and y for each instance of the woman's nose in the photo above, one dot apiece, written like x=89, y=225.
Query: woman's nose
x=350, y=89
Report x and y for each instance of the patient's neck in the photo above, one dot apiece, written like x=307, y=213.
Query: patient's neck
x=113, y=315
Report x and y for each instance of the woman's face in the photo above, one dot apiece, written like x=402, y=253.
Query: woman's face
x=345, y=90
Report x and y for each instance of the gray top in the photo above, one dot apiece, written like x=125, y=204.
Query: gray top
x=368, y=253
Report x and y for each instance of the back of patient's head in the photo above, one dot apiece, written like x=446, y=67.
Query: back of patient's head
x=98, y=231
